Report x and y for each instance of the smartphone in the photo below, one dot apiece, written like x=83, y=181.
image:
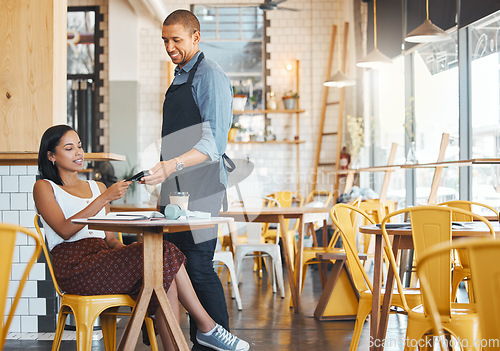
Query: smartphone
x=138, y=176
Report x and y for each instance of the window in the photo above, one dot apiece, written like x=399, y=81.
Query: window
x=83, y=81
x=391, y=111
x=233, y=37
x=436, y=112
x=484, y=51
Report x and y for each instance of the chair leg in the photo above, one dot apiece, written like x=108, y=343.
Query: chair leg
x=278, y=268
x=61, y=321
x=271, y=272
x=414, y=332
x=235, y=289
x=83, y=336
x=108, y=325
x=151, y=333
x=364, y=309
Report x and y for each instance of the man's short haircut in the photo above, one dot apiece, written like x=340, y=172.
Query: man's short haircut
x=185, y=18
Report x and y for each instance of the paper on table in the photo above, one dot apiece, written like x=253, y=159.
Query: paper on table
x=129, y=216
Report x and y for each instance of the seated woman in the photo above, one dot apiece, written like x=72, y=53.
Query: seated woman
x=93, y=262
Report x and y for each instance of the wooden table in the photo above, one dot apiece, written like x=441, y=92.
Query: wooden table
x=402, y=239
x=152, y=231
x=306, y=216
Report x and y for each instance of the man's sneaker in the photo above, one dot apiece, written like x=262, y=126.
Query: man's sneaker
x=222, y=340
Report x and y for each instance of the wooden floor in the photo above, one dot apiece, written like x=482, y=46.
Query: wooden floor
x=266, y=322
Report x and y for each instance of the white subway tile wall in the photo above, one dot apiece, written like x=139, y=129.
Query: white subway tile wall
x=16, y=207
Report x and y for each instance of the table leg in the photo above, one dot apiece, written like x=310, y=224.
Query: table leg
x=152, y=281
x=386, y=306
x=377, y=287
x=288, y=261
x=299, y=257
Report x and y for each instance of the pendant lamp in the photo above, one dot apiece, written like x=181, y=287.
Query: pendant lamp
x=374, y=59
x=340, y=79
x=427, y=32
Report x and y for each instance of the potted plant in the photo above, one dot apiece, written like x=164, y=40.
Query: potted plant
x=239, y=100
x=290, y=100
x=235, y=128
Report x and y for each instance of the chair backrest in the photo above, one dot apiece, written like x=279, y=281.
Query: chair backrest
x=270, y=202
x=336, y=233
x=482, y=252
x=9, y=236
x=432, y=225
x=288, y=199
x=47, y=254
x=323, y=196
x=467, y=205
x=344, y=217
x=374, y=208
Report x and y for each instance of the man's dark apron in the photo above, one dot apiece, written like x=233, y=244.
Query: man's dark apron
x=181, y=130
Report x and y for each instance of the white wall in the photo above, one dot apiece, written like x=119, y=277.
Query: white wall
x=124, y=48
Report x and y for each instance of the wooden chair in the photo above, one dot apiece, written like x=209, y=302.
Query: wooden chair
x=86, y=309
x=341, y=216
x=481, y=252
x=461, y=269
x=9, y=237
x=432, y=225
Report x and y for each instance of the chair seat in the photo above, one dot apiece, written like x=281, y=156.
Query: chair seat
x=412, y=295
x=457, y=310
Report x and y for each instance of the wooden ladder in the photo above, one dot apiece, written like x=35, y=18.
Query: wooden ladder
x=325, y=104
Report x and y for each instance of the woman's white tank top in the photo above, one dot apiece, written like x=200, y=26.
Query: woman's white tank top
x=71, y=205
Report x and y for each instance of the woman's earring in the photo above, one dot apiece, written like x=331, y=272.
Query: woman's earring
x=53, y=163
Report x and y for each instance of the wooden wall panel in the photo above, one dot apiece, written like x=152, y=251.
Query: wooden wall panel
x=32, y=71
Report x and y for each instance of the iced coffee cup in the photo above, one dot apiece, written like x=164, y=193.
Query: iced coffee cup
x=180, y=199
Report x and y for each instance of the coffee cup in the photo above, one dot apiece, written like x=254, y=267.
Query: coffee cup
x=180, y=198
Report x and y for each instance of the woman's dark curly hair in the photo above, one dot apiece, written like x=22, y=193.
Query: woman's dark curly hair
x=50, y=139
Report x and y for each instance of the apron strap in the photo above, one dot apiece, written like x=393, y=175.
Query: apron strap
x=228, y=162
x=192, y=71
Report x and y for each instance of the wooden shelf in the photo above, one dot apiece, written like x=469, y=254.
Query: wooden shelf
x=265, y=112
x=269, y=142
x=31, y=158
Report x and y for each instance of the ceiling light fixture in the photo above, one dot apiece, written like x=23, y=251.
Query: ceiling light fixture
x=374, y=59
x=340, y=79
x=427, y=32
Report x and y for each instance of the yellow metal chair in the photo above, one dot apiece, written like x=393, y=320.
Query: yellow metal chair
x=432, y=225
x=285, y=199
x=8, y=236
x=342, y=217
x=309, y=253
x=377, y=210
x=482, y=252
x=461, y=270
x=86, y=309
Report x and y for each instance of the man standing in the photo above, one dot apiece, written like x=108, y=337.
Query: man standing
x=197, y=115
